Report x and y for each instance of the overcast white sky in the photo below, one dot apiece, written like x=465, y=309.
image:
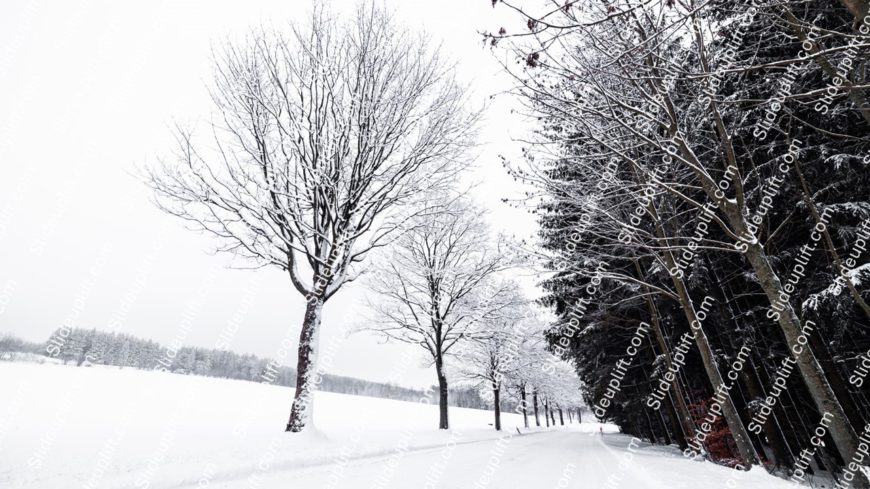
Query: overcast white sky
x=87, y=92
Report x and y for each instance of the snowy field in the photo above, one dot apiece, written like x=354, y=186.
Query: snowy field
x=67, y=427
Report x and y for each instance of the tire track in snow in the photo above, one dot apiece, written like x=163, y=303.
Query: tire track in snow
x=297, y=467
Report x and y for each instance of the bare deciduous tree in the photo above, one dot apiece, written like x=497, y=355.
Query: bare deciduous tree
x=435, y=288
x=493, y=358
x=324, y=133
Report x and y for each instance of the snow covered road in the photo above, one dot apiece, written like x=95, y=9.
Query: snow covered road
x=532, y=460
x=570, y=458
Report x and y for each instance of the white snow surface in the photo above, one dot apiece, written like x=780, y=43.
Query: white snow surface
x=99, y=427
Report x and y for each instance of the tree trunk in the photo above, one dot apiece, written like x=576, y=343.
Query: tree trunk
x=781, y=416
x=443, y=422
x=678, y=411
x=579, y=419
x=302, y=412
x=535, y=402
x=496, y=402
x=679, y=429
x=547, y=412
x=781, y=456
x=838, y=384
x=561, y=418
x=829, y=242
x=845, y=438
x=524, y=405
x=664, y=426
x=676, y=421
x=738, y=431
x=732, y=419
x=745, y=449
x=645, y=424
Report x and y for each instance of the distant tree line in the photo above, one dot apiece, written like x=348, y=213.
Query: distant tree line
x=85, y=347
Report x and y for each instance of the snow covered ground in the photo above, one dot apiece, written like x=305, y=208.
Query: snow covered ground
x=67, y=427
